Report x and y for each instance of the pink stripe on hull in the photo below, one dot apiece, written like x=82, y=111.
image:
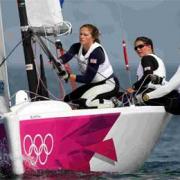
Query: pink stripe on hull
x=67, y=142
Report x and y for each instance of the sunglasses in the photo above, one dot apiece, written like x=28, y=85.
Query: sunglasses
x=139, y=47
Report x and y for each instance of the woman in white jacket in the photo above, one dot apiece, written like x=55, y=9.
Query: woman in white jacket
x=172, y=105
x=96, y=72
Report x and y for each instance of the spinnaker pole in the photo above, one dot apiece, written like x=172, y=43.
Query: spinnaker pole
x=28, y=51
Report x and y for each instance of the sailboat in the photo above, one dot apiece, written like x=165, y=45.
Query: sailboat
x=46, y=134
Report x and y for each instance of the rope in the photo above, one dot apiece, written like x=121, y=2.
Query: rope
x=27, y=91
x=39, y=79
x=142, y=84
x=69, y=26
x=44, y=86
x=76, y=57
x=61, y=87
x=11, y=52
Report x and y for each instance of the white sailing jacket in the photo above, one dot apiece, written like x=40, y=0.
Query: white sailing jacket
x=160, y=71
x=105, y=70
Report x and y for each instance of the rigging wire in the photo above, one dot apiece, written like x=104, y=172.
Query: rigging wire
x=13, y=49
x=121, y=23
x=39, y=79
x=44, y=86
x=11, y=52
x=125, y=93
x=29, y=92
x=37, y=69
x=52, y=95
x=76, y=57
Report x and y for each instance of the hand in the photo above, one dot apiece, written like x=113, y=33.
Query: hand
x=58, y=44
x=139, y=99
x=156, y=79
x=64, y=75
x=130, y=90
x=72, y=77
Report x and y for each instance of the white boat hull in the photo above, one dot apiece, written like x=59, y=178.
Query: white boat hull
x=49, y=135
x=55, y=137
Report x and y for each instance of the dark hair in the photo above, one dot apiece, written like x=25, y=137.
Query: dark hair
x=94, y=31
x=146, y=40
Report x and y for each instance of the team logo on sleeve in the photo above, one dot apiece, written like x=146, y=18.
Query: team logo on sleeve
x=147, y=68
x=93, y=61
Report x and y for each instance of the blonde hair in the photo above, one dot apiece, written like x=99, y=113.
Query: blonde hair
x=94, y=31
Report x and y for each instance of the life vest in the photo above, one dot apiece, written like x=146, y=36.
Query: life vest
x=160, y=71
x=105, y=70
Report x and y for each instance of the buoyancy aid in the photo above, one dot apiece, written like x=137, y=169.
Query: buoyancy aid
x=160, y=71
x=105, y=69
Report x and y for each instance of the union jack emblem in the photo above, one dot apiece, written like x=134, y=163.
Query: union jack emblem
x=93, y=61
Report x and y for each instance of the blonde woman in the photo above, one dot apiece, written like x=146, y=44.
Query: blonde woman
x=96, y=72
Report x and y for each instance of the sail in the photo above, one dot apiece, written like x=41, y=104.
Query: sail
x=45, y=17
x=4, y=86
x=61, y=2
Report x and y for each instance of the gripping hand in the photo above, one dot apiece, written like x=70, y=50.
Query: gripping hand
x=141, y=98
x=64, y=75
x=156, y=79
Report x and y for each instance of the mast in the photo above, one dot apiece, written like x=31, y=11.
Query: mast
x=28, y=51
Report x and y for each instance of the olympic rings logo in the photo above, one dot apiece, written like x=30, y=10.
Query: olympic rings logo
x=38, y=148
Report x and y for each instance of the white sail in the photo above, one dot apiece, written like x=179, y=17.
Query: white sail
x=44, y=12
x=4, y=87
x=46, y=15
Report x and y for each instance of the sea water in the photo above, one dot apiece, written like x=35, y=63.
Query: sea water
x=163, y=163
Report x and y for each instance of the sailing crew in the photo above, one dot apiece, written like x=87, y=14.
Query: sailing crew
x=96, y=72
x=149, y=65
x=172, y=105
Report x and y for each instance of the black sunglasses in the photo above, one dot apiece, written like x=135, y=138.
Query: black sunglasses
x=139, y=47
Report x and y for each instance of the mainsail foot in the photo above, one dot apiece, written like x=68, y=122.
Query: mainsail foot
x=49, y=20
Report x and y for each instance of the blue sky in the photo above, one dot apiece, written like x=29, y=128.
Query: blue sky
x=117, y=20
